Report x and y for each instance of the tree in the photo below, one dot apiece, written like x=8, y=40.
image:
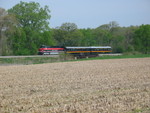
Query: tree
x=33, y=20
x=142, y=39
x=67, y=35
x=69, y=27
x=18, y=44
x=31, y=15
x=7, y=26
x=112, y=25
x=102, y=37
x=88, y=37
x=128, y=33
x=48, y=39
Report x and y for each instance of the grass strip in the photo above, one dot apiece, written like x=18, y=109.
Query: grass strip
x=40, y=60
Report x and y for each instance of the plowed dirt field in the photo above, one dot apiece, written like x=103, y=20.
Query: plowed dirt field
x=97, y=86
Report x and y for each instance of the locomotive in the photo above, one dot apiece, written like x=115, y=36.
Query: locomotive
x=50, y=50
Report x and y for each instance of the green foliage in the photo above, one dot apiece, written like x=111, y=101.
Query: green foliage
x=67, y=35
x=69, y=27
x=142, y=39
x=31, y=16
x=27, y=60
x=32, y=28
x=102, y=37
x=47, y=40
x=87, y=37
x=19, y=42
x=117, y=57
x=121, y=39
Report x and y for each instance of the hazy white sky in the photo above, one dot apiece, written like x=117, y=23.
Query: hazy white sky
x=93, y=13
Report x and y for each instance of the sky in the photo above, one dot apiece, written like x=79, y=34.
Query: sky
x=92, y=13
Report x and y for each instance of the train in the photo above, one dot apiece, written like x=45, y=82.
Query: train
x=76, y=51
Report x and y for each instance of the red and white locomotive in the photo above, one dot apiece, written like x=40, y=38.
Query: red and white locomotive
x=50, y=50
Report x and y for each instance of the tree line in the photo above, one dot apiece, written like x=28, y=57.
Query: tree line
x=25, y=27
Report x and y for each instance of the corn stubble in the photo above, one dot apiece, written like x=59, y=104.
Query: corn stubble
x=98, y=86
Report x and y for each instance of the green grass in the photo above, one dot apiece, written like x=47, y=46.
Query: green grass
x=147, y=110
x=27, y=60
x=117, y=57
x=40, y=60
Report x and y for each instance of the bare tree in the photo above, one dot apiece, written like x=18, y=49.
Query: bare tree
x=7, y=23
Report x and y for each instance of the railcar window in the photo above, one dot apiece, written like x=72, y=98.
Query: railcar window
x=71, y=49
x=87, y=49
x=74, y=49
x=98, y=49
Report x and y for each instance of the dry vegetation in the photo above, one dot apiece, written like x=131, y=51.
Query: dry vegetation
x=97, y=86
